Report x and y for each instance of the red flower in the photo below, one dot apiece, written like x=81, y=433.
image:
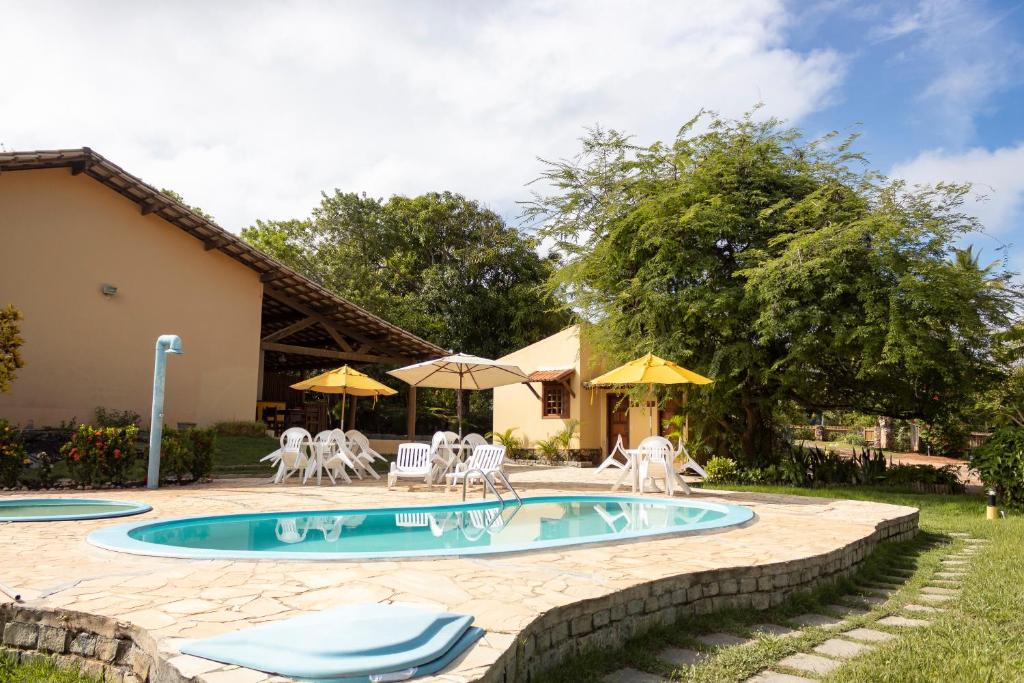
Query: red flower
x=117, y=452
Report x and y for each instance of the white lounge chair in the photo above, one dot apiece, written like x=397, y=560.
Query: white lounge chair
x=611, y=460
x=293, y=455
x=412, y=462
x=488, y=459
x=359, y=439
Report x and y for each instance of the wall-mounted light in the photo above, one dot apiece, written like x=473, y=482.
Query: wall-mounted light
x=108, y=290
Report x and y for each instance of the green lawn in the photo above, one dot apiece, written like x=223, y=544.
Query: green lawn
x=39, y=670
x=978, y=638
x=240, y=455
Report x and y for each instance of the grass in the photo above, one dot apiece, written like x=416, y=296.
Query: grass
x=977, y=638
x=240, y=455
x=38, y=670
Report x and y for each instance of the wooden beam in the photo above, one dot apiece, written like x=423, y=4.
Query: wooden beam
x=330, y=353
x=78, y=167
x=277, y=294
x=532, y=390
x=290, y=329
x=270, y=277
x=568, y=387
x=210, y=245
x=150, y=207
x=338, y=339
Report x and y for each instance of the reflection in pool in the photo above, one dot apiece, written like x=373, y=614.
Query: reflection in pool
x=471, y=528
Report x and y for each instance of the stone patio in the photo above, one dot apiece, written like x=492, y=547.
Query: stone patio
x=126, y=615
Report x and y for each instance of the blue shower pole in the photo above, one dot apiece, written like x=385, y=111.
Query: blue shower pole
x=165, y=344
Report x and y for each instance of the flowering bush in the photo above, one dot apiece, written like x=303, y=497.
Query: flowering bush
x=12, y=455
x=185, y=452
x=100, y=454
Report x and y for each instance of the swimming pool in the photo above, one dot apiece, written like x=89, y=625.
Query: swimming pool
x=440, y=530
x=64, y=509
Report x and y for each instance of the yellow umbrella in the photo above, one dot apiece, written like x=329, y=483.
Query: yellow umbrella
x=649, y=370
x=345, y=381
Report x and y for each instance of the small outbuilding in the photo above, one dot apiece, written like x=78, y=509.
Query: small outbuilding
x=100, y=264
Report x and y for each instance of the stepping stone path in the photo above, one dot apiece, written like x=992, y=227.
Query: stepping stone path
x=830, y=654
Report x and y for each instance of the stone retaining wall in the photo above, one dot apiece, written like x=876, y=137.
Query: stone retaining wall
x=123, y=653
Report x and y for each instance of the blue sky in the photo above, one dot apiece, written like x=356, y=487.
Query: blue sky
x=250, y=108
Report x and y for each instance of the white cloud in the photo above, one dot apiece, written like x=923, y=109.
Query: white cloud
x=998, y=190
x=251, y=109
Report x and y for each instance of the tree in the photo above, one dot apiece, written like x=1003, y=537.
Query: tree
x=10, y=346
x=438, y=265
x=785, y=269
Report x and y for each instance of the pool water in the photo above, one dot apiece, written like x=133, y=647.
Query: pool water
x=63, y=509
x=464, y=529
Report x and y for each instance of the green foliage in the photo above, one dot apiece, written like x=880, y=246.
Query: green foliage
x=548, y=448
x=870, y=466
x=1000, y=462
x=564, y=439
x=187, y=454
x=240, y=428
x=777, y=266
x=181, y=200
x=116, y=418
x=439, y=265
x=97, y=455
x=39, y=670
x=507, y=438
x=12, y=455
x=721, y=470
x=945, y=436
x=924, y=477
x=10, y=346
x=803, y=433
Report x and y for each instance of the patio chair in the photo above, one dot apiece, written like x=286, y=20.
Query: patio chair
x=611, y=460
x=292, y=455
x=658, y=451
x=360, y=440
x=412, y=462
x=291, y=529
x=488, y=459
x=331, y=456
x=351, y=455
x=471, y=441
x=442, y=456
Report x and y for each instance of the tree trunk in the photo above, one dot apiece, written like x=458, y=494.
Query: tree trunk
x=884, y=438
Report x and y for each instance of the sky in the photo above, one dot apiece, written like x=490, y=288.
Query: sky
x=250, y=109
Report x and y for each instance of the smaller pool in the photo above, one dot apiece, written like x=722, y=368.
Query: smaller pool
x=64, y=509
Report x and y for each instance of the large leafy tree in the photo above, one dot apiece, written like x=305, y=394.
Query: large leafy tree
x=781, y=267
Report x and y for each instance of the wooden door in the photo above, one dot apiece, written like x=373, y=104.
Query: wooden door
x=618, y=419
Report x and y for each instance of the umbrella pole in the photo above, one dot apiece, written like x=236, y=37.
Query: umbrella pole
x=458, y=406
x=343, y=394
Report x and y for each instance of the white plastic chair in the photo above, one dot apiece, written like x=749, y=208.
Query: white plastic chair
x=412, y=462
x=289, y=530
x=442, y=455
x=359, y=439
x=347, y=454
x=488, y=459
x=330, y=456
x=611, y=460
x=658, y=451
x=412, y=519
x=293, y=455
x=471, y=441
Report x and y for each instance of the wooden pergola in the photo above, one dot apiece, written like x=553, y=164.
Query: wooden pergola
x=304, y=326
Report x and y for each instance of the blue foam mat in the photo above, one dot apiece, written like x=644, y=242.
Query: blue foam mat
x=355, y=642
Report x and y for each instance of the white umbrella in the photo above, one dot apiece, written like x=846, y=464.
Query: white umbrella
x=460, y=371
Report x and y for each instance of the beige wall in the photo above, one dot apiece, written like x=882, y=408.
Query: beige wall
x=63, y=236
x=515, y=406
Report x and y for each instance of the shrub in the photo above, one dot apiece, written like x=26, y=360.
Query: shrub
x=870, y=466
x=186, y=453
x=12, y=455
x=240, y=428
x=116, y=418
x=548, y=448
x=1000, y=462
x=920, y=476
x=721, y=470
x=507, y=438
x=100, y=454
x=946, y=436
x=901, y=436
x=563, y=439
x=803, y=433
x=10, y=346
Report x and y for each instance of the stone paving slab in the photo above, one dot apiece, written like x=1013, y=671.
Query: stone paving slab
x=904, y=622
x=168, y=600
x=847, y=611
x=939, y=590
x=820, y=620
x=841, y=649
x=632, y=676
x=678, y=656
x=873, y=600
x=773, y=630
x=721, y=640
x=934, y=599
x=952, y=576
x=769, y=676
x=814, y=664
x=922, y=608
x=868, y=635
